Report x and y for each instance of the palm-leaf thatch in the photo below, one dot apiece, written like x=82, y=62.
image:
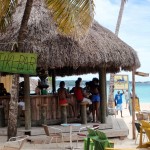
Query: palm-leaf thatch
x=6, y=9
x=101, y=48
x=40, y=28
x=76, y=17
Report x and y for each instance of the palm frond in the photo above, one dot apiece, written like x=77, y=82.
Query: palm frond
x=6, y=9
x=73, y=17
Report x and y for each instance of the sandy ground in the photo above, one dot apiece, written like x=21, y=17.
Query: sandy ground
x=129, y=142
x=126, y=143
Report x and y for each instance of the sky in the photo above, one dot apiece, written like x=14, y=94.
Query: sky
x=134, y=30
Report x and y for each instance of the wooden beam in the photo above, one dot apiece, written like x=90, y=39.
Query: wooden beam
x=142, y=74
x=133, y=103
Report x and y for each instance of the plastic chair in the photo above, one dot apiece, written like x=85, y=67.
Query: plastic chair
x=83, y=134
x=91, y=145
x=139, y=116
x=145, y=125
x=138, y=128
x=53, y=133
x=15, y=143
x=99, y=138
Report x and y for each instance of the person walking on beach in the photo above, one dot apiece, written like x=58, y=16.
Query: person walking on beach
x=118, y=99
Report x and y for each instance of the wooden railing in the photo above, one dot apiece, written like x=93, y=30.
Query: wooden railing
x=44, y=107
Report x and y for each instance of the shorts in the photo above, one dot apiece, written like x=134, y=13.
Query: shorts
x=119, y=107
x=95, y=98
x=62, y=101
x=127, y=101
x=87, y=100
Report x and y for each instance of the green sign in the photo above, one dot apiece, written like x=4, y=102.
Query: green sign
x=21, y=63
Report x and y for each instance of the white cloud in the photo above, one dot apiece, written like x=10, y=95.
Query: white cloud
x=134, y=29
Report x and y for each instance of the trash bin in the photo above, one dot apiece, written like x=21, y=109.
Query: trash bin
x=2, y=116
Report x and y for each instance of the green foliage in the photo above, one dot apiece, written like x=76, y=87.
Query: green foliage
x=7, y=8
x=73, y=17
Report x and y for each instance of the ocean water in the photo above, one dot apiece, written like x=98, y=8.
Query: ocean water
x=142, y=89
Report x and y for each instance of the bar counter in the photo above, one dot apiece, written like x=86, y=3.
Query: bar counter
x=44, y=108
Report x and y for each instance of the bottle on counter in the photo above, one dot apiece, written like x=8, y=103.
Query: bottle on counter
x=44, y=91
x=37, y=91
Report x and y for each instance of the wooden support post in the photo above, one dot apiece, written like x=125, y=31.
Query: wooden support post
x=27, y=102
x=133, y=103
x=64, y=113
x=53, y=82
x=83, y=112
x=103, y=104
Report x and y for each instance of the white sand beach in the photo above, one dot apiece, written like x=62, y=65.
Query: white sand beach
x=128, y=142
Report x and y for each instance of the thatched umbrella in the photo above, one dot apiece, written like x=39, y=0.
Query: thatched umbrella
x=40, y=28
x=100, y=49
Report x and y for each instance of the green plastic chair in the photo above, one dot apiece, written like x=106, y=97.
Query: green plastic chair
x=91, y=145
x=99, y=138
x=102, y=136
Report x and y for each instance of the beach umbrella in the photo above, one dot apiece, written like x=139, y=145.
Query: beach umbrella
x=64, y=13
x=99, y=49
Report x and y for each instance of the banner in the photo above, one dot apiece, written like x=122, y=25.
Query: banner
x=121, y=82
x=20, y=63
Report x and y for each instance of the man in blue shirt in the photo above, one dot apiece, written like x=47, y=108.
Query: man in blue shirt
x=118, y=99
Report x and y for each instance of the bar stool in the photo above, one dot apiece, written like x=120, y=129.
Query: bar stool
x=64, y=112
x=43, y=113
x=83, y=112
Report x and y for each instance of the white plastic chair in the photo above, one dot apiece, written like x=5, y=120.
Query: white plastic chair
x=82, y=133
x=53, y=133
x=15, y=143
x=138, y=128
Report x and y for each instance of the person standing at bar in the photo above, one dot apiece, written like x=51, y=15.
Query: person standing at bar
x=80, y=96
x=94, y=87
x=62, y=93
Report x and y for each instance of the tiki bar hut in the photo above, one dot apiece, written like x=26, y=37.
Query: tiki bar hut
x=99, y=52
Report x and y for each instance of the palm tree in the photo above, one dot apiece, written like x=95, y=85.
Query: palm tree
x=77, y=15
x=111, y=85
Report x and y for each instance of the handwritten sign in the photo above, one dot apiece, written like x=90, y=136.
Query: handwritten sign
x=121, y=82
x=22, y=63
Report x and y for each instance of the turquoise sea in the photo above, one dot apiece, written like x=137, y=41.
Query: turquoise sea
x=142, y=89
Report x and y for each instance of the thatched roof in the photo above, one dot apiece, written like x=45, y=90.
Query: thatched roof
x=40, y=28
x=100, y=48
